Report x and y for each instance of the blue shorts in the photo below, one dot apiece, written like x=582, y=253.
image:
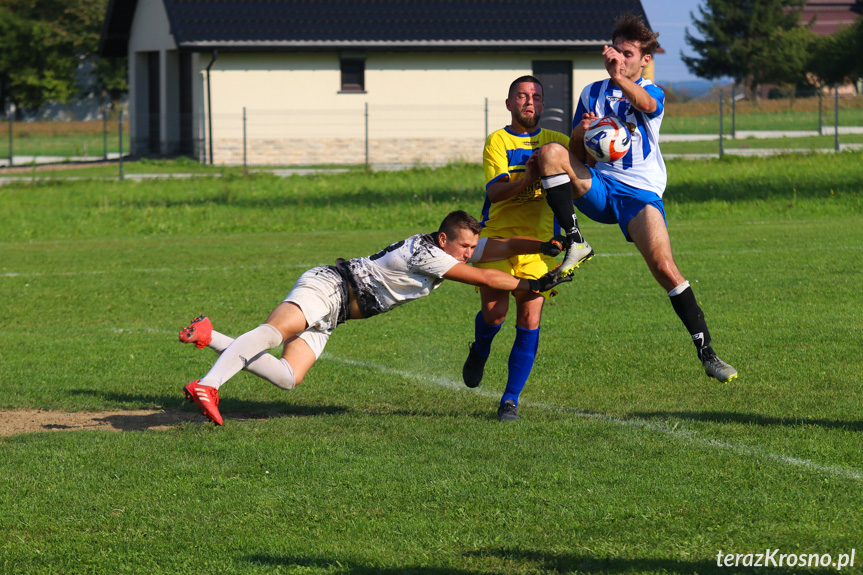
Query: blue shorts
x=610, y=201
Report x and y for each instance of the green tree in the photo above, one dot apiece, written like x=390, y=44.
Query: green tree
x=839, y=58
x=785, y=58
x=44, y=43
x=34, y=66
x=731, y=32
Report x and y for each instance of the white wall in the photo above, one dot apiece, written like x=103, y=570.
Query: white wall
x=430, y=94
x=284, y=81
x=421, y=107
x=150, y=32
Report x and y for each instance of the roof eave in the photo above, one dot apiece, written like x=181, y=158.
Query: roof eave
x=387, y=45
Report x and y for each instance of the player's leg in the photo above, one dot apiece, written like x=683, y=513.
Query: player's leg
x=558, y=167
x=487, y=324
x=523, y=353
x=283, y=322
x=649, y=233
x=264, y=365
x=286, y=320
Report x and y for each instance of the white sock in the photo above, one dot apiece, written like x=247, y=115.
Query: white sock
x=219, y=342
x=679, y=289
x=240, y=353
x=277, y=371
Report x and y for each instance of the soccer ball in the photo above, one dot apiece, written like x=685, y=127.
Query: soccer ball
x=607, y=139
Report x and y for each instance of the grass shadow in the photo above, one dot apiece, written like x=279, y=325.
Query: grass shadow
x=239, y=409
x=342, y=565
x=529, y=560
x=579, y=563
x=749, y=419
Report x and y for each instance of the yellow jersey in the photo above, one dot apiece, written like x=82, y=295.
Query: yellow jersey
x=526, y=214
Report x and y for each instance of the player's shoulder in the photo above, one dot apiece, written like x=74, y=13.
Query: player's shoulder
x=595, y=87
x=423, y=242
x=652, y=89
x=546, y=136
x=497, y=136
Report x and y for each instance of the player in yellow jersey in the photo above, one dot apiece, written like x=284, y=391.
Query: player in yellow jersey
x=516, y=204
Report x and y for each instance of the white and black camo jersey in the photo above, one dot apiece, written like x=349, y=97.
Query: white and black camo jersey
x=404, y=271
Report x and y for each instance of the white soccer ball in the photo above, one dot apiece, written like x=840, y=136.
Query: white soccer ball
x=607, y=139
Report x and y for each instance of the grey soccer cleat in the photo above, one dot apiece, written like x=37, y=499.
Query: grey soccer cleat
x=576, y=254
x=715, y=367
x=508, y=411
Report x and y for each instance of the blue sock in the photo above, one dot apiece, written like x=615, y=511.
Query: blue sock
x=520, y=362
x=483, y=334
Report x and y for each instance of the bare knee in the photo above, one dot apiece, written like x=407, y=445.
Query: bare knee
x=529, y=311
x=552, y=158
x=666, y=273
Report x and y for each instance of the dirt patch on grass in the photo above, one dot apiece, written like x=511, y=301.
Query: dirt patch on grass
x=15, y=421
x=32, y=421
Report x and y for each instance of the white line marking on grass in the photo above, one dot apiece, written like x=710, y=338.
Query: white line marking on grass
x=628, y=422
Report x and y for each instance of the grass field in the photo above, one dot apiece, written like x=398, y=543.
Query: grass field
x=627, y=459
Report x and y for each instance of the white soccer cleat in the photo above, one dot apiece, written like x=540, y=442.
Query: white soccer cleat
x=576, y=254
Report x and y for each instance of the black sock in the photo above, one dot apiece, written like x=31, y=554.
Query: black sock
x=693, y=318
x=559, y=198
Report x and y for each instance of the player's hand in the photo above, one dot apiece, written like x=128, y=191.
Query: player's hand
x=614, y=62
x=548, y=281
x=581, y=127
x=531, y=170
x=554, y=246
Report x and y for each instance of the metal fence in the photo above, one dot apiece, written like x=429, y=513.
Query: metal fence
x=370, y=135
x=376, y=135
x=41, y=142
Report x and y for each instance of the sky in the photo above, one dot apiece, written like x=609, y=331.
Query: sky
x=670, y=18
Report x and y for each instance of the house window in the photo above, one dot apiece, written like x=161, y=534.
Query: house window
x=353, y=74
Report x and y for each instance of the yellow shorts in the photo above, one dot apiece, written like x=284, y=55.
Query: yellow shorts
x=531, y=266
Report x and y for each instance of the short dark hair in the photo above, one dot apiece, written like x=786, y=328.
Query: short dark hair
x=632, y=28
x=457, y=221
x=521, y=79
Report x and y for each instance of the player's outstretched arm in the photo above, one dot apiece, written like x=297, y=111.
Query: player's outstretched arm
x=504, y=248
x=499, y=280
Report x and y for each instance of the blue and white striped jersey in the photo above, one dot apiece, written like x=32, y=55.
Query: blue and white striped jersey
x=642, y=166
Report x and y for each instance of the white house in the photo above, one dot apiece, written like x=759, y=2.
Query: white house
x=346, y=81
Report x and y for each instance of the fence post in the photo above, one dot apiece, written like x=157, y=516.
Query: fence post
x=820, y=99
x=721, y=146
x=11, y=116
x=836, y=115
x=367, y=134
x=734, y=111
x=486, y=118
x=120, y=131
x=105, y=107
x=244, y=138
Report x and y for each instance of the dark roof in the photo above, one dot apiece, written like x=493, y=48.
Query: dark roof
x=201, y=25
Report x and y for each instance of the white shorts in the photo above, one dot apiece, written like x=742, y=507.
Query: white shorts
x=322, y=296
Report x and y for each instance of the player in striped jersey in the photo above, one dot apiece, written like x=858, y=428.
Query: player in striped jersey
x=628, y=192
